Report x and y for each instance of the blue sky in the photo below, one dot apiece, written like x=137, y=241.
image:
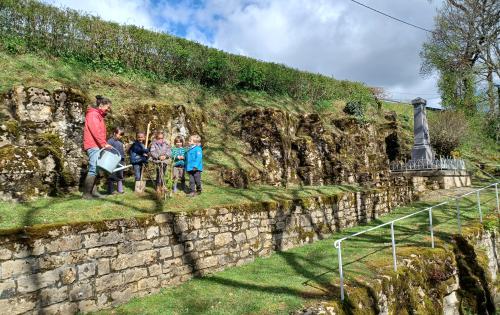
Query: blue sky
x=334, y=37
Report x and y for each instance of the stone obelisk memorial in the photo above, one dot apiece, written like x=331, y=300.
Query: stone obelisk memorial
x=422, y=147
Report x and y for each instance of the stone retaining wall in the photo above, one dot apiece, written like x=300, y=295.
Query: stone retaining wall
x=91, y=266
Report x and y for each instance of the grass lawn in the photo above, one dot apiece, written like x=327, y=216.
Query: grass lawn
x=286, y=281
x=73, y=208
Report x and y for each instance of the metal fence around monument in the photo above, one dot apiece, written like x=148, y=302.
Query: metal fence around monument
x=338, y=243
x=424, y=165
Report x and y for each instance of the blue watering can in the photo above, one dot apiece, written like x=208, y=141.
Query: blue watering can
x=110, y=161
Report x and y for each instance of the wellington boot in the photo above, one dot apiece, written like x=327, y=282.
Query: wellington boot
x=88, y=184
x=95, y=192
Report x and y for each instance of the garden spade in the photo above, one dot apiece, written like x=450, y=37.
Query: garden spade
x=140, y=185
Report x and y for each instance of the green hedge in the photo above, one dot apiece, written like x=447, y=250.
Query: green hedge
x=30, y=26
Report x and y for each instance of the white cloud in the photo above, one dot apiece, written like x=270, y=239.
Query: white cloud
x=136, y=12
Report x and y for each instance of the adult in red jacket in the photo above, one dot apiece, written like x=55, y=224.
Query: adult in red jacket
x=94, y=139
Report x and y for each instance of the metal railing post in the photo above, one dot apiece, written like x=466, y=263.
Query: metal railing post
x=479, y=207
x=341, y=272
x=458, y=216
x=430, y=225
x=496, y=195
x=393, y=247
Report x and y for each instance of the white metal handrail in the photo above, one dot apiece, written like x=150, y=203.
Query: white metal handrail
x=338, y=243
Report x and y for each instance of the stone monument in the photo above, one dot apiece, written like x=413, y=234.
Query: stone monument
x=421, y=147
x=426, y=171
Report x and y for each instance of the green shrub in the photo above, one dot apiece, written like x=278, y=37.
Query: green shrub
x=492, y=126
x=356, y=109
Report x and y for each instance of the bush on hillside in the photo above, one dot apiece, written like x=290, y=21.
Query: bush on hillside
x=447, y=131
x=356, y=109
x=492, y=126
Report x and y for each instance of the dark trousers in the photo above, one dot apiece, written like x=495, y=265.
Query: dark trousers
x=194, y=181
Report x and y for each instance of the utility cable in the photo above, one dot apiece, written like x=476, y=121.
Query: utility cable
x=392, y=17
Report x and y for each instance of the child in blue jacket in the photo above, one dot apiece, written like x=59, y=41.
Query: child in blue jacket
x=138, y=154
x=194, y=164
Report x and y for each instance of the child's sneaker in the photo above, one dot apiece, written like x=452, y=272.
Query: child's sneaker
x=192, y=194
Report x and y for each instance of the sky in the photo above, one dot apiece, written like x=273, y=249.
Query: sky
x=336, y=38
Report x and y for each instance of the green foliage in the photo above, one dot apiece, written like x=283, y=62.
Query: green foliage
x=356, y=109
x=447, y=131
x=492, y=126
x=30, y=26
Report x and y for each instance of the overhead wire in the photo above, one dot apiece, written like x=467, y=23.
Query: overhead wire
x=391, y=17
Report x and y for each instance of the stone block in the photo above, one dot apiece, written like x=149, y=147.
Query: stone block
x=18, y=305
x=87, y=306
x=105, y=251
x=81, y=291
x=60, y=309
x=148, y=283
x=178, y=250
x=86, y=270
x=252, y=233
x=163, y=218
x=64, y=244
x=108, y=281
x=134, y=274
x=5, y=253
x=154, y=270
x=37, y=281
x=207, y=262
x=48, y=296
x=12, y=268
x=152, y=232
x=124, y=261
x=123, y=295
x=135, y=234
x=166, y=252
x=223, y=239
x=38, y=248
x=7, y=289
x=165, y=230
x=103, y=266
x=21, y=251
x=101, y=239
x=133, y=247
x=161, y=241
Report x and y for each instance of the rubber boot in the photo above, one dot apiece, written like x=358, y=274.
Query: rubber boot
x=110, y=187
x=88, y=184
x=175, y=187
x=96, y=193
x=120, y=187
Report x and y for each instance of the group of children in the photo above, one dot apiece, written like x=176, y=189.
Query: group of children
x=182, y=159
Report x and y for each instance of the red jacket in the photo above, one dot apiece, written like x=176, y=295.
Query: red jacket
x=94, y=132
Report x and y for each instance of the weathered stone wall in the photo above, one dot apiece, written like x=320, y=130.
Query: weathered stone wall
x=314, y=150
x=40, y=141
x=85, y=267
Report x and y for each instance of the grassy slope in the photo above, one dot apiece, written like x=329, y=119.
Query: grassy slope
x=289, y=280
x=220, y=107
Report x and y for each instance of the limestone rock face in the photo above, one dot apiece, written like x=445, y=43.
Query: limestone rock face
x=40, y=141
x=313, y=150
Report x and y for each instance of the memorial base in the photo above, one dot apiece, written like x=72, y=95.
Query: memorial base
x=437, y=179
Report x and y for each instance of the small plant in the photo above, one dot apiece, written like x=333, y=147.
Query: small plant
x=356, y=109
